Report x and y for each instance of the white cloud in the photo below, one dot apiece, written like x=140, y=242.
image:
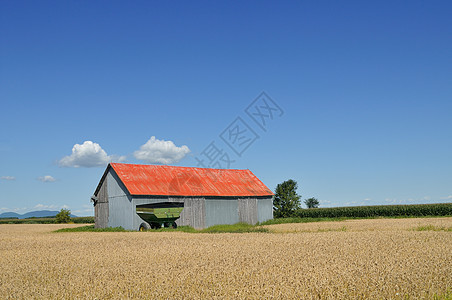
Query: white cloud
x=44, y=207
x=399, y=201
x=47, y=207
x=161, y=151
x=447, y=198
x=88, y=155
x=20, y=209
x=46, y=178
x=8, y=178
x=83, y=212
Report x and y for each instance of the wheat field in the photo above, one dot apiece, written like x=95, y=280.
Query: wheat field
x=359, y=259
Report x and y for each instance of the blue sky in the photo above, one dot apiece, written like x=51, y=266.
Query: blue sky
x=364, y=91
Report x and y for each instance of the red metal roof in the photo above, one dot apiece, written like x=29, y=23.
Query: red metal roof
x=185, y=181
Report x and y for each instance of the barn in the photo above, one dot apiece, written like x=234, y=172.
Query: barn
x=208, y=196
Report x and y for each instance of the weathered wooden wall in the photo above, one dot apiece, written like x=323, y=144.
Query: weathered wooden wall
x=101, y=210
x=193, y=213
x=248, y=210
x=121, y=208
x=221, y=211
x=264, y=209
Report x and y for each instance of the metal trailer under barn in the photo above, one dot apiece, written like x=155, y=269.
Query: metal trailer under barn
x=208, y=196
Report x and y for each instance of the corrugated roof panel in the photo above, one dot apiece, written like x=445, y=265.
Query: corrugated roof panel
x=186, y=181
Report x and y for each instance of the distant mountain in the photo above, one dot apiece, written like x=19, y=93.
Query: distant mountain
x=32, y=214
x=39, y=214
x=9, y=215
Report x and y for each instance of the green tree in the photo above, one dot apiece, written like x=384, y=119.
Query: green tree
x=312, y=202
x=64, y=216
x=286, y=201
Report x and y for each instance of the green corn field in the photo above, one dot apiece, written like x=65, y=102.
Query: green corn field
x=416, y=210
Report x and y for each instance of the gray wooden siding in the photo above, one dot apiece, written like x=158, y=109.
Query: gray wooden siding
x=221, y=211
x=264, y=209
x=248, y=210
x=121, y=208
x=101, y=207
x=121, y=212
x=194, y=212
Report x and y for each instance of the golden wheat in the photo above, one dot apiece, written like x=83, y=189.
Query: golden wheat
x=363, y=225
x=371, y=259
